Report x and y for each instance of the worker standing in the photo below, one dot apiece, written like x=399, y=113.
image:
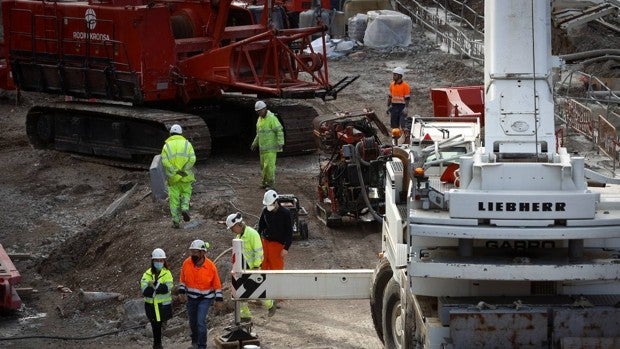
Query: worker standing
x=178, y=159
x=270, y=141
x=252, y=251
x=276, y=229
x=398, y=102
x=156, y=286
x=199, y=286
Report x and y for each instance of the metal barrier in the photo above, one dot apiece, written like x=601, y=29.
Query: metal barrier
x=457, y=32
x=584, y=113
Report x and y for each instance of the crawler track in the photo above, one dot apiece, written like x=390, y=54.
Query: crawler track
x=296, y=120
x=130, y=136
x=118, y=132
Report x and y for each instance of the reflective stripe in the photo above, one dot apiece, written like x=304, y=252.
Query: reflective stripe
x=196, y=293
x=275, y=129
x=271, y=148
x=150, y=301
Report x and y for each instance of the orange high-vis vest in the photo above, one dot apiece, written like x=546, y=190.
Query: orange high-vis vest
x=200, y=282
x=399, y=92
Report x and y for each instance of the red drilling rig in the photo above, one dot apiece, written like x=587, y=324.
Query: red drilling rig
x=149, y=64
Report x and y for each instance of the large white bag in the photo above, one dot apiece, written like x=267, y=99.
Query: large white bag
x=357, y=26
x=387, y=29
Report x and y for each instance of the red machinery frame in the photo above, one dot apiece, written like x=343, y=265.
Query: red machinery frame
x=152, y=51
x=9, y=277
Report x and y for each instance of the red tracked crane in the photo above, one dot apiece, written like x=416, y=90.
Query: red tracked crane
x=168, y=62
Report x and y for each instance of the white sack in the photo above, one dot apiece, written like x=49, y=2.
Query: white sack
x=387, y=29
x=357, y=26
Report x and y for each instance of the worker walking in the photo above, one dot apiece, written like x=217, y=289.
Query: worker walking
x=252, y=251
x=270, y=141
x=398, y=102
x=276, y=230
x=156, y=286
x=178, y=159
x=199, y=286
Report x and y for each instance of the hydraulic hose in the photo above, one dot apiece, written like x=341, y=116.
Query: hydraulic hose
x=358, y=147
x=358, y=166
x=72, y=338
x=589, y=54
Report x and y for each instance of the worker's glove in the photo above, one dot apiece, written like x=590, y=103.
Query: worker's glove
x=148, y=291
x=162, y=289
x=280, y=146
x=253, y=147
x=404, y=112
x=389, y=110
x=182, y=173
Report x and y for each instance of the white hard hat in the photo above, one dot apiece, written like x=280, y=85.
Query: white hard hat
x=270, y=197
x=233, y=219
x=158, y=253
x=399, y=70
x=199, y=245
x=260, y=105
x=176, y=128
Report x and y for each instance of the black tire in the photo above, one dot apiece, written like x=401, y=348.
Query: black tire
x=303, y=230
x=380, y=279
x=398, y=326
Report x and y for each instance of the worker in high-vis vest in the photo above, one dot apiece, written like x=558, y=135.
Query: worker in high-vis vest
x=398, y=102
x=199, y=286
x=252, y=252
x=178, y=159
x=270, y=141
x=156, y=286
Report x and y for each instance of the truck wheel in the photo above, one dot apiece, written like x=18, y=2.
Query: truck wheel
x=380, y=278
x=398, y=323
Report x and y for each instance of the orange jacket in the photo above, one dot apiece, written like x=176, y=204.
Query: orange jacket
x=200, y=282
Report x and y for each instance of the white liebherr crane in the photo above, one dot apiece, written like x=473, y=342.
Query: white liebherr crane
x=517, y=253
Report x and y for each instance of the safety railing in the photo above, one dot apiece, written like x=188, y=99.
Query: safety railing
x=454, y=24
x=593, y=115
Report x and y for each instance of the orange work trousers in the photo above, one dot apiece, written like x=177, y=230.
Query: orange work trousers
x=272, y=259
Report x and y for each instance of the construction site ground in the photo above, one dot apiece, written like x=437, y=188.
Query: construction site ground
x=60, y=211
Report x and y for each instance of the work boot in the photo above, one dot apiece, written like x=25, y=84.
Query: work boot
x=176, y=225
x=185, y=215
x=158, y=346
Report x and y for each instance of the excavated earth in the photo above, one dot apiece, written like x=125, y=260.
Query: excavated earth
x=63, y=213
